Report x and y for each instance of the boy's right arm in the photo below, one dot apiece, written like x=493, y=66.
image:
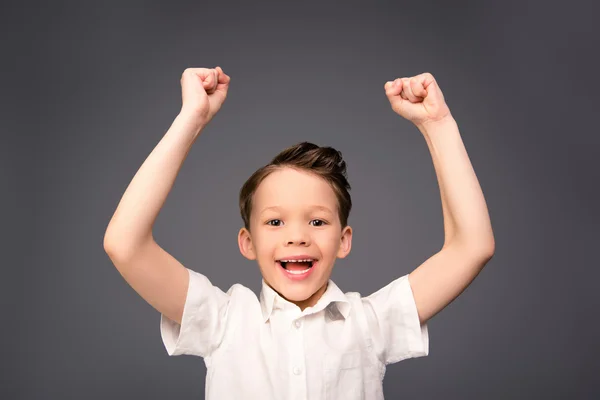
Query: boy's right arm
x=156, y=276
x=152, y=272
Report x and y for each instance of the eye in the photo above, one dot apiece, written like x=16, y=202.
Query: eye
x=319, y=220
x=269, y=222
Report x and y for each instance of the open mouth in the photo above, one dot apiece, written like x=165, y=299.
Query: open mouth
x=297, y=267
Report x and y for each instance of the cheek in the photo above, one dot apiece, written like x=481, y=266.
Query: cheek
x=265, y=245
x=328, y=242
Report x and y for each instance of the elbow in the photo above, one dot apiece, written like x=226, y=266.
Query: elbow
x=112, y=249
x=119, y=248
x=107, y=244
x=484, y=251
x=115, y=247
x=489, y=248
x=479, y=249
x=111, y=243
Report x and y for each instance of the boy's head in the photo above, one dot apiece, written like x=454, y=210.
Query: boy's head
x=297, y=205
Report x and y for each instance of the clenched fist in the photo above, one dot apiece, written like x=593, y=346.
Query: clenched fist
x=418, y=99
x=203, y=91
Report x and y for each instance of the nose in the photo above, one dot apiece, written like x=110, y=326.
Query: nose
x=297, y=235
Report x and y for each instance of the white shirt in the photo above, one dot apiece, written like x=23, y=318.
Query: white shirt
x=269, y=349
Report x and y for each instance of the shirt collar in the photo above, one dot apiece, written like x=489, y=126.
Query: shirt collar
x=270, y=301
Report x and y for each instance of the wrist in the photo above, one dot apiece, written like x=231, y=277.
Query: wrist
x=430, y=127
x=191, y=121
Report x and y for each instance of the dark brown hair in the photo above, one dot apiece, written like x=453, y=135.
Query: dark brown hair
x=325, y=162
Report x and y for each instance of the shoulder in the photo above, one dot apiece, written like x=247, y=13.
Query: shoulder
x=243, y=301
x=385, y=302
x=204, y=295
x=390, y=319
x=399, y=286
x=238, y=289
x=242, y=296
x=201, y=285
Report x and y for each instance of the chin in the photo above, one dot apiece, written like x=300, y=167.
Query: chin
x=298, y=293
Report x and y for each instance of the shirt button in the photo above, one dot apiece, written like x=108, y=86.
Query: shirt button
x=296, y=371
x=298, y=324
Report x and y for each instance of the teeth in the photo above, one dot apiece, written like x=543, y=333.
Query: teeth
x=307, y=260
x=297, y=272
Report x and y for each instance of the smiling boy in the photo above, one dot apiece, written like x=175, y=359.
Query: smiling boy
x=294, y=210
x=303, y=338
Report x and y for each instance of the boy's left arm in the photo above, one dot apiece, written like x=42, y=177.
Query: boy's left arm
x=469, y=241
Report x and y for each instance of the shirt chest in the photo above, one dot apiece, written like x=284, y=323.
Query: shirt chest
x=321, y=355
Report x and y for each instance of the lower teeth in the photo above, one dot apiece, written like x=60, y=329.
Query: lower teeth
x=297, y=272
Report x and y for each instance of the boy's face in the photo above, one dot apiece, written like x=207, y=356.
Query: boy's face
x=295, y=213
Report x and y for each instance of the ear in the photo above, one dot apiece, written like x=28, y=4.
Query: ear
x=245, y=244
x=345, y=242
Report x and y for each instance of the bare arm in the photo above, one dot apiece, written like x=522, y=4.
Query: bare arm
x=152, y=272
x=469, y=240
x=131, y=225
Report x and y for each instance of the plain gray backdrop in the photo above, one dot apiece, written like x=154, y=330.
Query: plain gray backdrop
x=89, y=89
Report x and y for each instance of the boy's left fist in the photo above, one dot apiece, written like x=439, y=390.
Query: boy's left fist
x=418, y=99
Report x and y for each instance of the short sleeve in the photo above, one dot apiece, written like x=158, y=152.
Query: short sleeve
x=394, y=323
x=203, y=321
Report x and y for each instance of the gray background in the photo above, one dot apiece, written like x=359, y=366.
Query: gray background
x=88, y=90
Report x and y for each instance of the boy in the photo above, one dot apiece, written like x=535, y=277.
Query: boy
x=304, y=338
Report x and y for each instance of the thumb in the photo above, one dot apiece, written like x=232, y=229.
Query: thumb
x=222, y=82
x=210, y=81
x=222, y=79
x=434, y=97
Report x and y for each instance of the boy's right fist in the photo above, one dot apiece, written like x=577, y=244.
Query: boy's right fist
x=203, y=91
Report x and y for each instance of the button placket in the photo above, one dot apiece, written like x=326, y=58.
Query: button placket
x=298, y=356
x=299, y=348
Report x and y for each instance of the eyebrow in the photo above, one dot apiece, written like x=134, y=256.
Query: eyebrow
x=314, y=207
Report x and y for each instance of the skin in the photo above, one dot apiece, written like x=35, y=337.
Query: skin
x=468, y=237
x=293, y=229
x=160, y=279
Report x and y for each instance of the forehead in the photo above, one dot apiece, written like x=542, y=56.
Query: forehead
x=291, y=188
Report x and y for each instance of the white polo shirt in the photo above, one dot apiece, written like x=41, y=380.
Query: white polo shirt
x=269, y=349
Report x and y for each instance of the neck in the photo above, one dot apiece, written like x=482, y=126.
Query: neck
x=312, y=300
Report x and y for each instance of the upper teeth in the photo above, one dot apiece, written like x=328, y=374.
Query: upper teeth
x=308, y=260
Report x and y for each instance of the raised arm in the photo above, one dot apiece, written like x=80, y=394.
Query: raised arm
x=152, y=272
x=469, y=241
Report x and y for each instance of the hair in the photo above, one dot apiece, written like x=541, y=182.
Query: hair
x=325, y=162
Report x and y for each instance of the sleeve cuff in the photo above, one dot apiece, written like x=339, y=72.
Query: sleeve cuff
x=394, y=323
x=200, y=316
x=416, y=334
